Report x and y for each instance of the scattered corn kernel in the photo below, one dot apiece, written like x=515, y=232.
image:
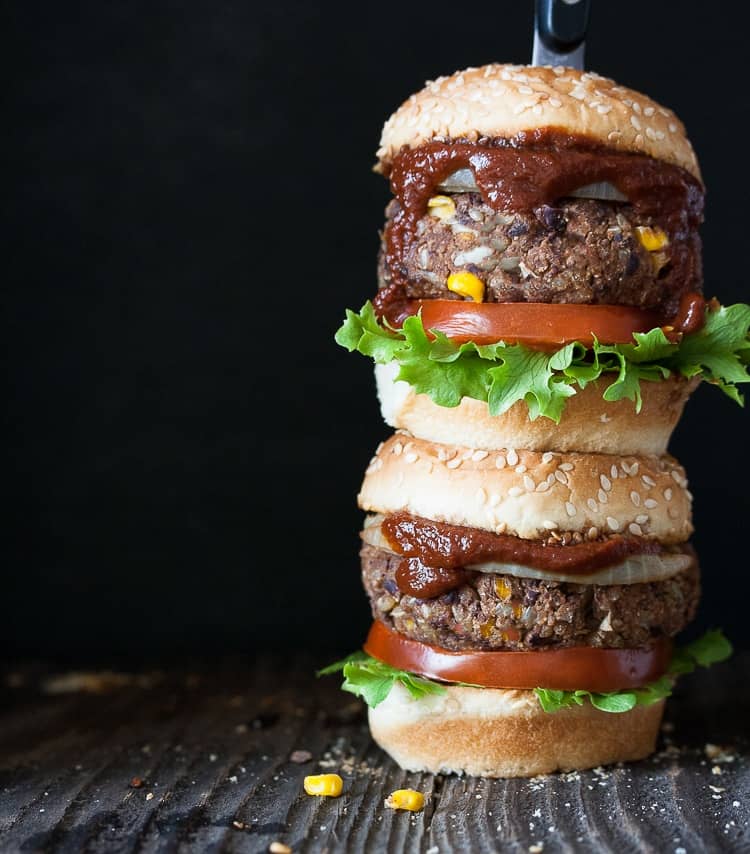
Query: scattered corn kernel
x=441, y=207
x=327, y=785
x=466, y=284
x=502, y=588
x=485, y=630
x=652, y=239
x=405, y=799
x=517, y=611
x=279, y=848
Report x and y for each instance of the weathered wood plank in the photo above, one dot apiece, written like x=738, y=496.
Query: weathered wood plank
x=195, y=762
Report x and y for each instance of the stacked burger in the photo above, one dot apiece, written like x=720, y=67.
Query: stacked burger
x=538, y=328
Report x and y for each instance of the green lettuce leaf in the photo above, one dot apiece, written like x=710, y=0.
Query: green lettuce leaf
x=501, y=374
x=706, y=650
x=372, y=679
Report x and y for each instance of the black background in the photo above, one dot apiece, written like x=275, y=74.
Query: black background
x=190, y=208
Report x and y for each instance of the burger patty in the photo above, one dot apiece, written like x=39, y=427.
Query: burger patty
x=580, y=251
x=504, y=612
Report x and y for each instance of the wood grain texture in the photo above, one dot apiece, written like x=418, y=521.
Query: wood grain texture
x=199, y=761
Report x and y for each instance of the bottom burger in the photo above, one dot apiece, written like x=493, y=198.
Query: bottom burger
x=442, y=711
x=524, y=606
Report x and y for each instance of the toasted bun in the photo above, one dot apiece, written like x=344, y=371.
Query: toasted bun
x=589, y=423
x=507, y=100
x=527, y=493
x=488, y=732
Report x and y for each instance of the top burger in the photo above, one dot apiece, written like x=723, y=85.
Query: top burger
x=542, y=244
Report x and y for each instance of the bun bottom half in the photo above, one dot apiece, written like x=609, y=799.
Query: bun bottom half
x=487, y=732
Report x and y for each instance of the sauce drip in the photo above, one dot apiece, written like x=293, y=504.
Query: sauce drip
x=691, y=315
x=533, y=169
x=414, y=578
x=437, y=553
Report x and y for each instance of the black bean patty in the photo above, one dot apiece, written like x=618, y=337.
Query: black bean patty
x=504, y=612
x=581, y=251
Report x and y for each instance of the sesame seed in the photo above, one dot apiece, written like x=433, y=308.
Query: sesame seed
x=634, y=468
x=501, y=528
x=515, y=491
x=478, y=456
x=592, y=533
x=566, y=466
x=549, y=524
x=650, y=503
x=641, y=519
x=397, y=448
x=635, y=498
x=605, y=482
x=529, y=483
x=613, y=523
x=602, y=496
x=455, y=463
x=560, y=476
x=613, y=472
x=668, y=494
x=520, y=469
x=547, y=457
x=512, y=457
x=603, y=109
x=648, y=481
x=635, y=529
x=500, y=461
x=542, y=487
x=636, y=122
x=570, y=508
x=411, y=458
x=442, y=455
x=672, y=127
x=555, y=102
x=593, y=506
x=648, y=111
x=525, y=90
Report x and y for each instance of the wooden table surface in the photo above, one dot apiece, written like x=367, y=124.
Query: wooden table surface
x=198, y=760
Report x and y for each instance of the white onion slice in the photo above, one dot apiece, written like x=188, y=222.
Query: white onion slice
x=636, y=569
x=462, y=181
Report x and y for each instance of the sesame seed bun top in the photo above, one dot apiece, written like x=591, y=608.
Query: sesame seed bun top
x=502, y=101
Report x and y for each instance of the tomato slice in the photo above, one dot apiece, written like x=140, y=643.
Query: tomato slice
x=581, y=667
x=535, y=324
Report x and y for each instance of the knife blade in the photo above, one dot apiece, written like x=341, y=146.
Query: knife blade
x=560, y=32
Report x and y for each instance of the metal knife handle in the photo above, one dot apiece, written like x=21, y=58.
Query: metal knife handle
x=559, y=32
